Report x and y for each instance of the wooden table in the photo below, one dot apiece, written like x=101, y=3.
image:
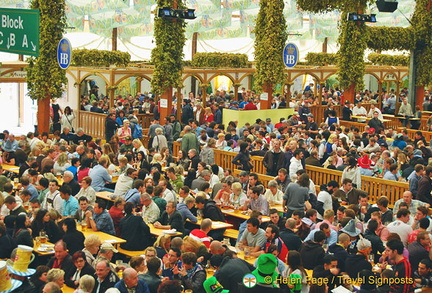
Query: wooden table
x=250, y=259
x=42, y=253
x=105, y=195
x=67, y=289
x=215, y=224
x=157, y=232
x=11, y=168
x=104, y=237
x=277, y=207
x=240, y=215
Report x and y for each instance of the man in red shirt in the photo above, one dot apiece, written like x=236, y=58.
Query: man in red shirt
x=402, y=267
x=201, y=234
x=250, y=106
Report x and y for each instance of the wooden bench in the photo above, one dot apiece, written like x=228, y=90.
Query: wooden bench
x=263, y=178
x=231, y=233
x=130, y=253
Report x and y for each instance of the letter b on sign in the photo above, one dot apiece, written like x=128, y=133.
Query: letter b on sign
x=64, y=53
x=290, y=55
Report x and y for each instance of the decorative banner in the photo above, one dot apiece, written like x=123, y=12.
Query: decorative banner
x=290, y=55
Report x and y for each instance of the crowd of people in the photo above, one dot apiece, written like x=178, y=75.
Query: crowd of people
x=326, y=237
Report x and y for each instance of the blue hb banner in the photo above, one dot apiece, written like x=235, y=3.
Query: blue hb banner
x=290, y=55
x=64, y=53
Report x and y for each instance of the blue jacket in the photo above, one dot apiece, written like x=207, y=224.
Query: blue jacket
x=141, y=287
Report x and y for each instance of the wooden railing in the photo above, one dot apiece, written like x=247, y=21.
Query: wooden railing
x=94, y=123
x=263, y=178
x=375, y=187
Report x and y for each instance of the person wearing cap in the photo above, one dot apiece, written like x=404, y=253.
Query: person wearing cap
x=265, y=274
x=365, y=165
x=359, y=261
x=106, y=253
x=211, y=285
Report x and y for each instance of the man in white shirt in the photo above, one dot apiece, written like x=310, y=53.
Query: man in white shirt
x=359, y=110
x=324, y=197
x=124, y=182
x=400, y=226
x=373, y=109
x=53, y=199
x=167, y=195
x=150, y=210
x=295, y=164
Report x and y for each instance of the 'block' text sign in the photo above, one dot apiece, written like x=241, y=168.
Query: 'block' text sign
x=19, y=31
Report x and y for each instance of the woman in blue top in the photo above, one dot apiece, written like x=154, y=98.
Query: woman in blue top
x=121, y=117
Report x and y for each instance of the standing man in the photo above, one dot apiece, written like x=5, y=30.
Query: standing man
x=110, y=126
x=402, y=267
x=189, y=141
x=187, y=112
x=274, y=159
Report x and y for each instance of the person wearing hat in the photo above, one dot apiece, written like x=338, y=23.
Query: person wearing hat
x=265, y=274
x=359, y=261
x=211, y=285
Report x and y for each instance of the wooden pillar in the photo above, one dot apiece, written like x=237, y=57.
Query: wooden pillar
x=139, y=79
x=204, y=93
x=320, y=93
x=316, y=87
x=43, y=114
x=324, y=45
x=114, y=39
x=349, y=93
x=165, y=105
x=236, y=87
x=419, y=95
x=111, y=94
x=266, y=104
x=288, y=93
x=380, y=94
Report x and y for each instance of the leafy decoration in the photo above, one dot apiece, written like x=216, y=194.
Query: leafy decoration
x=218, y=60
x=269, y=43
x=45, y=78
x=352, y=41
x=321, y=59
x=168, y=54
x=392, y=60
x=85, y=57
x=390, y=38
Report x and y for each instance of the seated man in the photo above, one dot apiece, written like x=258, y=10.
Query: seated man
x=131, y=283
x=99, y=219
x=254, y=238
x=125, y=182
x=201, y=234
x=104, y=277
x=328, y=272
x=61, y=259
x=170, y=219
x=312, y=252
x=423, y=274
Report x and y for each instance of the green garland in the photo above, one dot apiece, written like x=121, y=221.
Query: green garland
x=321, y=59
x=84, y=57
x=423, y=27
x=218, y=60
x=269, y=43
x=352, y=41
x=392, y=60
x=390, y=38
x=168, y=54
x=45, y=78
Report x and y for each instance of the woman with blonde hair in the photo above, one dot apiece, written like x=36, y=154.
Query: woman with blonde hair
x=111, y=167
x=61, y=164
x=138, y=147
x=159, y=141
x=92, y=244
x=208, y=115
x=86, y=284
x=162, y=245
x=157, y=159
x=237, y=197
x=106, y=149
x=191, y=245
x=221, y=142
x=124, y=131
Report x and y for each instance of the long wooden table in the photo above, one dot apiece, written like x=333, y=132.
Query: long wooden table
x=157, y=232
x=105, y=195
x=37, y=245
x=241, y=215
x=11, y=168
x=215, y=224
x=104, y=237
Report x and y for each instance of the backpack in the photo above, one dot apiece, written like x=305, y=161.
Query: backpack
x=137, y=131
